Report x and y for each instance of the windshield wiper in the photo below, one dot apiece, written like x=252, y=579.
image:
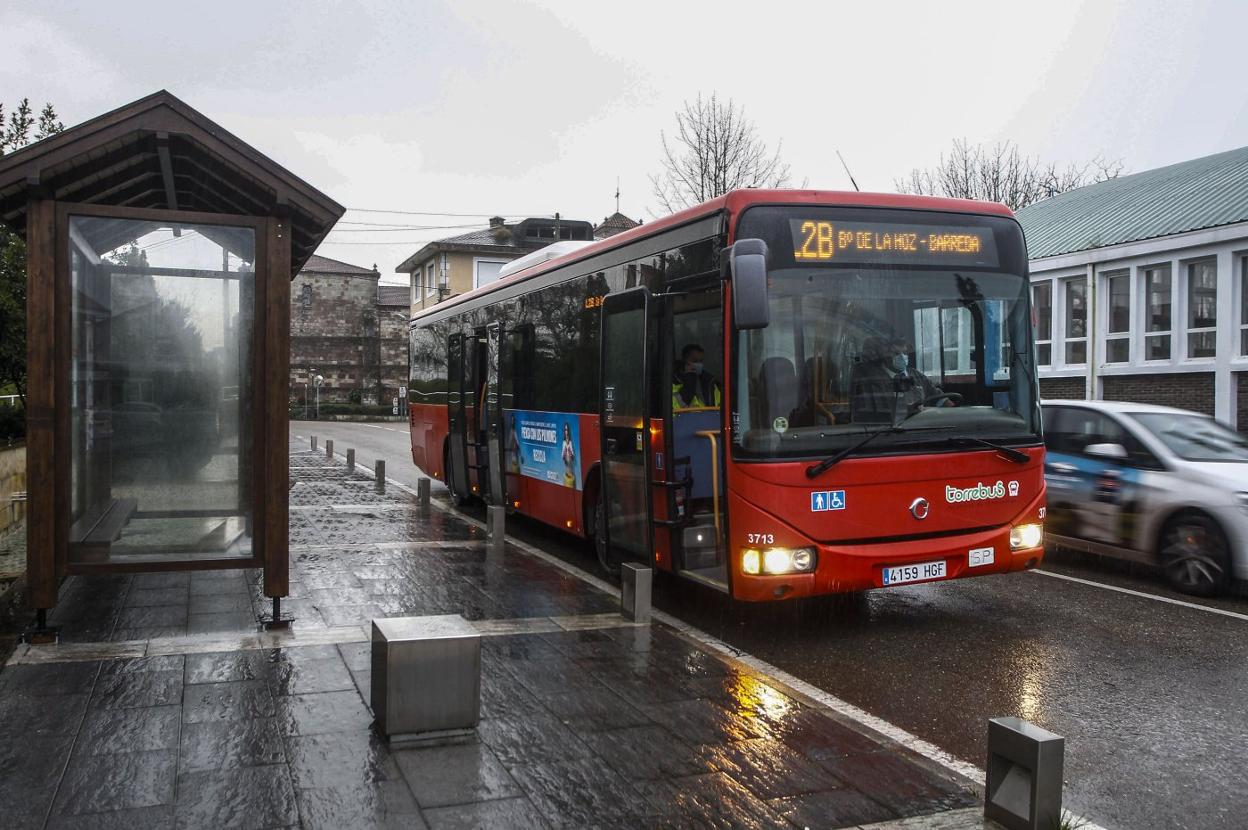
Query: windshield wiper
x=1011, y=454
x=827, y=463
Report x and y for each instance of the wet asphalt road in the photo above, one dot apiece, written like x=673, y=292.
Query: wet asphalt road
x=1150, y=695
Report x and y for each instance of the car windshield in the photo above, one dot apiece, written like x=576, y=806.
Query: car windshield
x=1195, y=437
x=854, y=350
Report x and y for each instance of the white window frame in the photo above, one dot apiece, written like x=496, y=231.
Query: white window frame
x=431, y=287
x=1052, y=322
x=1188, y=331
x=1106, y=315
x=1067, y=340
x=478, y=261
x=1145, y=334
x=1240, y=286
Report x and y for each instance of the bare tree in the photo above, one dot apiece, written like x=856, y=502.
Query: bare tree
x=1000, y=173
x=715, y=149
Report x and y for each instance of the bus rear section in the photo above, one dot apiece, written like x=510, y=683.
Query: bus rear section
x=884, y=421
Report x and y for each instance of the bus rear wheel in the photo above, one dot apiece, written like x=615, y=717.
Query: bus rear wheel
x=1195, y=556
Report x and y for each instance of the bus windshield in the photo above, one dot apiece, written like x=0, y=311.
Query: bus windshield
x=927, y=354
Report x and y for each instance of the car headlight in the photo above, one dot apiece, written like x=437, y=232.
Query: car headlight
x=1026, y=536
x=778, y=561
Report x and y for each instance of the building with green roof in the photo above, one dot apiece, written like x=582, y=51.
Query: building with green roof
x=1139, y=284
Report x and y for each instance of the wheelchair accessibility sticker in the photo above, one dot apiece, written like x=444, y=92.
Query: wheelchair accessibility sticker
x=827, y=500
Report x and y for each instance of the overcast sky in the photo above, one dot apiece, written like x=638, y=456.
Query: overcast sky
x=535, y=107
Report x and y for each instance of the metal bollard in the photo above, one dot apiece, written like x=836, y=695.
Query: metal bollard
x=426, y=677
x=379, y=472
x=313, y=442
x=495, y=526
x=350, y=460
x=1024, y=783
x=635, y=582
x=329, y=448
x=422, y=491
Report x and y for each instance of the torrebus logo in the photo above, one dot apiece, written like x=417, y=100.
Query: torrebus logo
x=979, y=492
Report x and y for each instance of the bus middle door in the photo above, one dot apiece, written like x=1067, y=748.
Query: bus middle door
x=456, y=460
x=625, y=439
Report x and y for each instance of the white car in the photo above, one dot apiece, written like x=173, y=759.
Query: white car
x=1151, y=484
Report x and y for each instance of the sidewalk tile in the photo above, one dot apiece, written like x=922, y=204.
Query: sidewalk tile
x=99, y=783
x=705, y=721
x=251, y=797
x=503, y=814
x=322, y=712
x=441, y=776
x=241, y=700
x=581, y=792
x=531, y=739
x=841, y=807
x=225, y=744
x=648, y=753
x=381, y=805
x=225, y=667
x=340, y=759
x=110, y=731
x=710, y=801
x=147, y=818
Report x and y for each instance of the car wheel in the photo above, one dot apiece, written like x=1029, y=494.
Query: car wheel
x=1195, y=555
x=601, y=548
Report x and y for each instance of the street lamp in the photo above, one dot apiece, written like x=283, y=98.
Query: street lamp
x=319, y=380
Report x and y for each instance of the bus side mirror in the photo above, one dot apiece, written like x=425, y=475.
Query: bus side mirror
x=747, y=264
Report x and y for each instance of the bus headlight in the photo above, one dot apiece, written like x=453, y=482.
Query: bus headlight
x=778, y=561
x=1026, y=536
x=751, y=561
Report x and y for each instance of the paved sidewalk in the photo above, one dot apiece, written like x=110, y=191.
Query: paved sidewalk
x=165, y=705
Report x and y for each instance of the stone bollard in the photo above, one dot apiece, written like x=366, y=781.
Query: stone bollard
x=329, y=448
x=635, y=583
x=495, y=526
x=1024, y=782
x=379, y=472
x=423, y=488
x=350, y=460
x=314, y=443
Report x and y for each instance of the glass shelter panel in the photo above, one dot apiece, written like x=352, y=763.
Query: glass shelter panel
x=162, y=319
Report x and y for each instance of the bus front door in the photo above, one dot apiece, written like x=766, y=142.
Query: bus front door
x=691, y=340
x=625, y=440
x=456, y=456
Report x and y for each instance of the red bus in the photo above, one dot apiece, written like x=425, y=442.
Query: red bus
x=777, y=393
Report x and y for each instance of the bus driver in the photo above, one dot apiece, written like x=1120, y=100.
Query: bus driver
x=692, y=386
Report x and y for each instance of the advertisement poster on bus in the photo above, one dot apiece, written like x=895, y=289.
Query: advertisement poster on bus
x=545, y=446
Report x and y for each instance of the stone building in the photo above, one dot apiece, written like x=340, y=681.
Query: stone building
x=349, y=330
x=1140, y=288
x=451, y=266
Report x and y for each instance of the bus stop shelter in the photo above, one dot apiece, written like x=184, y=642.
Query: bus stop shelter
x=160, y=250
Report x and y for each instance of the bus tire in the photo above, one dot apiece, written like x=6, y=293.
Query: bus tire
x=601, y=548
x=1194, y=554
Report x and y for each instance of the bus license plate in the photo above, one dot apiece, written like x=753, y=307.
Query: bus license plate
x=915, y=573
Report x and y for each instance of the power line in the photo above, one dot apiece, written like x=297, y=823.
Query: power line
x=460, y=215
x=404, y=228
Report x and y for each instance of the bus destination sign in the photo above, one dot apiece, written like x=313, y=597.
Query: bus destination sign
x=821, y=240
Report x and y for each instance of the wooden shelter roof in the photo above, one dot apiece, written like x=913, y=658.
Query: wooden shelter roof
x=159, y=153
